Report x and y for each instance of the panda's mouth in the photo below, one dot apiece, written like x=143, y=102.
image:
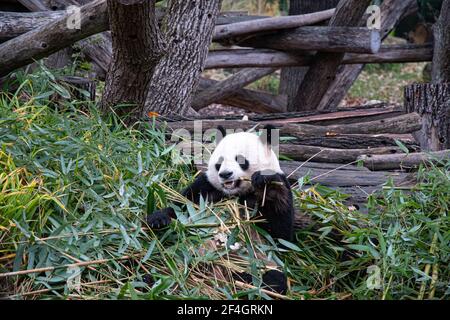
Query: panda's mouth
x=230, y=185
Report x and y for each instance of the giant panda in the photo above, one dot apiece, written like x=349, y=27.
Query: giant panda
x=244, y=166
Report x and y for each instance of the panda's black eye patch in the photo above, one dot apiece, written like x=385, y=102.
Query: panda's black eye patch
x=219, y=163
x=243, y=163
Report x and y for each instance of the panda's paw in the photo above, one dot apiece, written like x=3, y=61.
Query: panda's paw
x=161, y=218
x=262, y=178
x=275, y=281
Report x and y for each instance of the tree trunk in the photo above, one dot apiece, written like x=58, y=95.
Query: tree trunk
x=189, y=26
x=291, y=78
x=137, y=49
x=432, y=103
x=441, y=59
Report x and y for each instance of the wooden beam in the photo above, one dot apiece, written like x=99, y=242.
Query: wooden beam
x=246, y=28
x=403, y=161
x=401, y=124
x=247, y=58
x=325, y=39
x=49, y=38
x=13, y=24
x=335, y=175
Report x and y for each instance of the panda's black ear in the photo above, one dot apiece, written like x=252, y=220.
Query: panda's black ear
x=221, y=133
x=268, y=134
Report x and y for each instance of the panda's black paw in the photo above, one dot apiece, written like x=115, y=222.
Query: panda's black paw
x=161, y=218
x=275, y=281
x=262, y=178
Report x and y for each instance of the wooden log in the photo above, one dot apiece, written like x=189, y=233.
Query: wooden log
x=97, y=48
x=247, y=58
x=401, y=124
x=319, y=154
x=354, y=141
x=337, y=175
x=228, y=86
x=251, y=100
x=13, y=24
x=404, y=161
x=322, y=118
x=51, y=37
x=325, y=65
x=269, y=24
x=325, y=39
x=432, y=103
x=441, y=59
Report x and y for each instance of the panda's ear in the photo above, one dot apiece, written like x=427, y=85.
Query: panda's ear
x=221, y=133
x=268, y=135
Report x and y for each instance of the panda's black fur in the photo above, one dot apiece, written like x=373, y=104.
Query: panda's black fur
x=277, y=210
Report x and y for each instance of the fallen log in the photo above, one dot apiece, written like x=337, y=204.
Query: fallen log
x=330, y=155
x=51, y=37
x=228, y=86
x=402, y=124
x=325, y=39
x=354, y=141
x=269, y=24
x=402, y=160
x=13, y=24
x=339, y=176
x=322, y=118
x=246, y=58
x=250, y=100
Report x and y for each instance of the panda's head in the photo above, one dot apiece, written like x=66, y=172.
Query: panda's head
x=239, y=155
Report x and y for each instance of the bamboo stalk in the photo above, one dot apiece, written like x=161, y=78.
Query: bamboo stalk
x=71, y=265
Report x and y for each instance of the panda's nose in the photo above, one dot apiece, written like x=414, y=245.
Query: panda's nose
x=225, y=174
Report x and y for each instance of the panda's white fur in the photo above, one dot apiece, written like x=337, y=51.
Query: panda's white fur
x=259, y=154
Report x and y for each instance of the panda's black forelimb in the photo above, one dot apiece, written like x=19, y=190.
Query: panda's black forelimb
x=199, y=188
x=275, y=201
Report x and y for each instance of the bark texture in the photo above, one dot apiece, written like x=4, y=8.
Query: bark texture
x=189, y=27
x=137, y=49
x=441, y=59
x=432, y=103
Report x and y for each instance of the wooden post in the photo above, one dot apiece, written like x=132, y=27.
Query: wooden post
x=432, y=102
